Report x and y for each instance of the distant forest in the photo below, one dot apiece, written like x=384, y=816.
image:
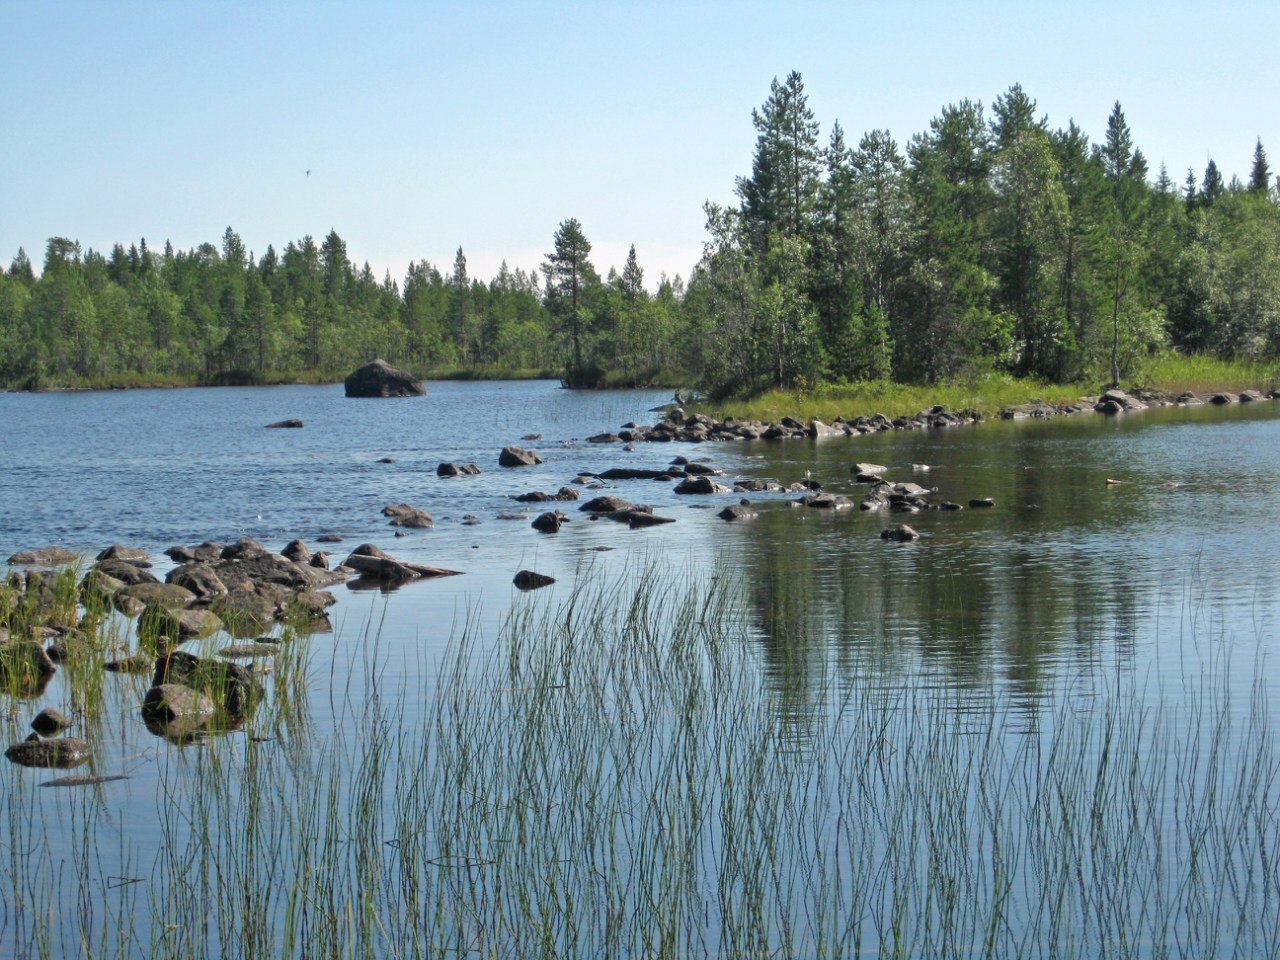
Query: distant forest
x=987, y=243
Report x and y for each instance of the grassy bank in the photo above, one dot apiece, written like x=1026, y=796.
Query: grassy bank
x=989, y=395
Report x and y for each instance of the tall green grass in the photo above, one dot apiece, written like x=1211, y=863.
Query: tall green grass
x=616, y=775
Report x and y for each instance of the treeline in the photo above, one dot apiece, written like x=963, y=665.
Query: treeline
x=989, y=243
x=986, y=244
x=221, y=314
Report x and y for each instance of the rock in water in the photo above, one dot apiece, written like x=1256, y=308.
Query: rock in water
x=380, y=379
x=60, y=754
x=900, y=534
x=518, y=457
x=531, y=580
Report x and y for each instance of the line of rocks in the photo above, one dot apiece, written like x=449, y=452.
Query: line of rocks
x=700, y=428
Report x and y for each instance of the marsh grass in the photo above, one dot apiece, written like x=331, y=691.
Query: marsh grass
x=615, y=775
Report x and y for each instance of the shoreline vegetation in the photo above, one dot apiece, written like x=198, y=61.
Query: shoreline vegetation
x=986, y=397
x=989, y=249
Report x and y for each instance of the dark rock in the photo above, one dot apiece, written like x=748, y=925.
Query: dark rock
x=50, y=722
x=949, y=505
x=403, y=515
x=457, y=470
x=635, y=473
x=246, y=548
x=207, y=551
x=247, y=609
x=1249, y=396
x=328, y=538
x=757, y=486
x=175, y=701
x=380, y=379
x=900, y=534
x=738, y=511
x=819, y=430
x=517, y=457
x=138, y=663
x=640, y=517
x=230, y=686
x=549, y=522
x=293, y=424
x=44, y=557
x=529, y=580
x=24, y=665
x=564, y=494
x=169, y=595
x=88, y=780
x=129, y=574
x=296, y=551
x=180, y=554
x=695, y=469
x=826, y=501
x=604, y=438
x=135, y=555
x=161, y=623
x=200, y=578
x=979, y=503
x=606, y=504
x=1222, y=399
x=373, y=563
x=57, y=754
x=385, y=460
x=531, y=437
x=699, y=484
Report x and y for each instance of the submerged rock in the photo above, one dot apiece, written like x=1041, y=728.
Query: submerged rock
x=381, y=379
x=900, y=534
x=291, y=424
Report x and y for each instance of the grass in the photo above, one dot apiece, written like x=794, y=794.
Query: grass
x=616, y=776
x=988, y=395
x=985, y=396
x=1175, y=374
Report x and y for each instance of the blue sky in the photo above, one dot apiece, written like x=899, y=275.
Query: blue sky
x=483, y=125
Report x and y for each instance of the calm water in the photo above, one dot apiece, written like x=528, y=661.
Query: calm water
x=1168, y=579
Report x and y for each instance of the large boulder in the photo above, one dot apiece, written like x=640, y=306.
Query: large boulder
x=380, y=379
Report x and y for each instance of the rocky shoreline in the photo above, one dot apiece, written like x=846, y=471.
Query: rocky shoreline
x=700, y=428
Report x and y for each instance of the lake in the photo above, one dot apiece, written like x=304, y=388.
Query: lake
x=1043, y=728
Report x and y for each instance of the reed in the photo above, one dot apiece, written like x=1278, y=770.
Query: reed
x=618, y=775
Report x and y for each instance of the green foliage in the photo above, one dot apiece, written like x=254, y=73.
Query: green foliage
x=988, y=245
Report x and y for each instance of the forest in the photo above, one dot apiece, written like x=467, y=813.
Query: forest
x=989, y=242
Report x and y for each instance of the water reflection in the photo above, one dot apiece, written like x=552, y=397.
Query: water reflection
x=1067, y=573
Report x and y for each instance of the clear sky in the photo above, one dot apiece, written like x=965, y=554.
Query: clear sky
x=429, y=126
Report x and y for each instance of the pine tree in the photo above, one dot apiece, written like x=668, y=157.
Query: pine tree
x=781, y=193
x=569, y=273
x=1260, y=175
